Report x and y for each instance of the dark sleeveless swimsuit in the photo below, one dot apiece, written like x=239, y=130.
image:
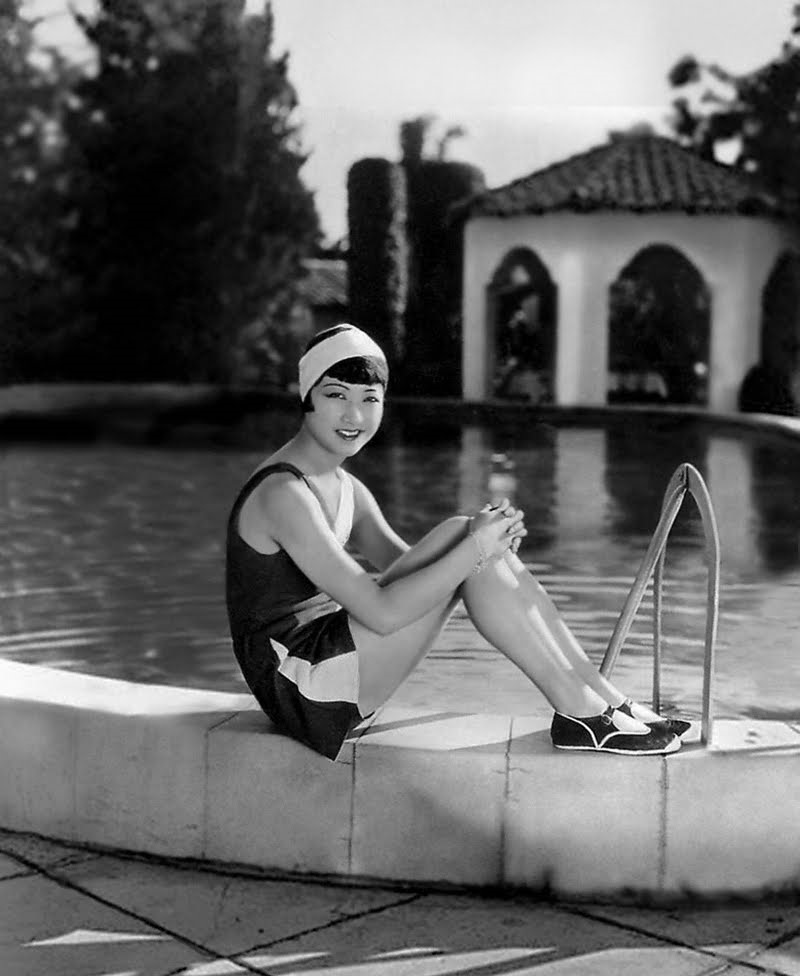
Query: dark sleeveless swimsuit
x=292, y=641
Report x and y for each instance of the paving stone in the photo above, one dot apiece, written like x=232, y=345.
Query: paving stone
x=752, y=735
x=726, y=930
x=38, y=793
x=443, y=935
x=699, y=923
x=40, y=851
x=416, y=812
x=744, y=969
x=220, y=967
x=783, y=959
x=48, y=930
x=140, y=779
x=222, y=912
x=272, y=802
x=10, y=868
x=732, y=821
x=580, y=822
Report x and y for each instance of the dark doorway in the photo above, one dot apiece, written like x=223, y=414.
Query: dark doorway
x=522, y=323
x=659, y=332
x=780, y=316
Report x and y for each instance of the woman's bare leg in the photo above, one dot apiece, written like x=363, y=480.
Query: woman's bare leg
x=502, y=610
x=532, y=591
x=386, y=660
x=511, y=615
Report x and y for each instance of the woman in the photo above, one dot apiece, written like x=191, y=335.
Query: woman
x=322, y=643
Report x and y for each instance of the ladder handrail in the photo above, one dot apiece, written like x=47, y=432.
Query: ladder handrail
x=685, y=478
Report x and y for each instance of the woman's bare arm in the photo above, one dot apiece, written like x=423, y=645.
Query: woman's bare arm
x=372, y=536
x=296, y=522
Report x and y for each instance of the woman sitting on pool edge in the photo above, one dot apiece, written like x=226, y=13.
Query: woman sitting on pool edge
x=322, y=643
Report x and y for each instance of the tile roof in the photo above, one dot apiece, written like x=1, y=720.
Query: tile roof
x=325, y=283
x=640, y=174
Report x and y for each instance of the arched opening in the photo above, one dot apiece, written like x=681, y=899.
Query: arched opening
x=773, y=384
x=521, y=301
x=659, y=331
x=780, y=322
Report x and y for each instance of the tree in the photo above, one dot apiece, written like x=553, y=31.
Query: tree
x=34, y=289
x=435, y=244
x=755, y=114
x=443, y=143
x=193, y=219
x=378, y=254
x=435, y=255
x=405, y=256
x=413, y=134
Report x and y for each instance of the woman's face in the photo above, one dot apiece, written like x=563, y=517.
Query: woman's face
x=346, y=416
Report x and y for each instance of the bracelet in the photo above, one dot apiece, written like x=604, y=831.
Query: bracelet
x=483, y=556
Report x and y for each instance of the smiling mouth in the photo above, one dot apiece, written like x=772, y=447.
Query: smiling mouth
x=348, y=435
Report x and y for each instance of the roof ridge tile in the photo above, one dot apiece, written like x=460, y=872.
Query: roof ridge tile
x=639, y=173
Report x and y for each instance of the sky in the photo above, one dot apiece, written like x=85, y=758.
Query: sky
x=531, y=81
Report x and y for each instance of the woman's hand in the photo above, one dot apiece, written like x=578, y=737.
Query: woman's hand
x=497, y=529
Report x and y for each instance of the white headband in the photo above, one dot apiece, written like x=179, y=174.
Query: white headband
x=341, y=345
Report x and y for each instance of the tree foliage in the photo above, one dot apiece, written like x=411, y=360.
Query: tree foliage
x=435, y=255
x=191, y=203
x=756, y=115
x=378, y=254
x=34, y=289
x=415, y=135
x=433, y=315
x=184, y=217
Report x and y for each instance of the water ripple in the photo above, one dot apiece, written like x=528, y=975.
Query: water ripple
x=114, y=562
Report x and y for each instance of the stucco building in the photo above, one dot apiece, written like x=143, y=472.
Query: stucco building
x=635, y=266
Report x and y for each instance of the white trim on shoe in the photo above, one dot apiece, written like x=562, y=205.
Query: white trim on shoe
x=600, y=745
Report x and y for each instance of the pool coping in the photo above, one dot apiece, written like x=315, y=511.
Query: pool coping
x=416, y=797
x=152, y=412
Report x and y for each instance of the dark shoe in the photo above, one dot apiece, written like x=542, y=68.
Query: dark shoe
x=677, y=726
x=600, y=733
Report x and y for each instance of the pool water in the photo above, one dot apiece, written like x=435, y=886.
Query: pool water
x=113, y=555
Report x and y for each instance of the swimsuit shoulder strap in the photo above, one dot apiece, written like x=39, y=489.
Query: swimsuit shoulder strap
x=255, y=480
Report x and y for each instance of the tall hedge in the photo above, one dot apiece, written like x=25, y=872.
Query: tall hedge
x=377, y=255
x=436, y=241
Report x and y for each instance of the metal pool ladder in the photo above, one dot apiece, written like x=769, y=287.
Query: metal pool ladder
x=686, y=478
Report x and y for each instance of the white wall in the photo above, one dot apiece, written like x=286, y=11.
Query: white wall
x=585, y=253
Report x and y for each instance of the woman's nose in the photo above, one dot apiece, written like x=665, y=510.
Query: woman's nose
x=353, y=413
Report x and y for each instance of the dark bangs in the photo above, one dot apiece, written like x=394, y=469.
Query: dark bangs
x=359, y=369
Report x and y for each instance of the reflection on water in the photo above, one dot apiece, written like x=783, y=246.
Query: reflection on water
x=639, y=461
x=775, y=490
x=113, y=556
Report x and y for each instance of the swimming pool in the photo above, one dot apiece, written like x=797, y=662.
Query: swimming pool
x=113, y=554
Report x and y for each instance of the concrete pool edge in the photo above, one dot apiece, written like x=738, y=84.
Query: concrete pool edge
x=466, y=800
x=416, y=797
